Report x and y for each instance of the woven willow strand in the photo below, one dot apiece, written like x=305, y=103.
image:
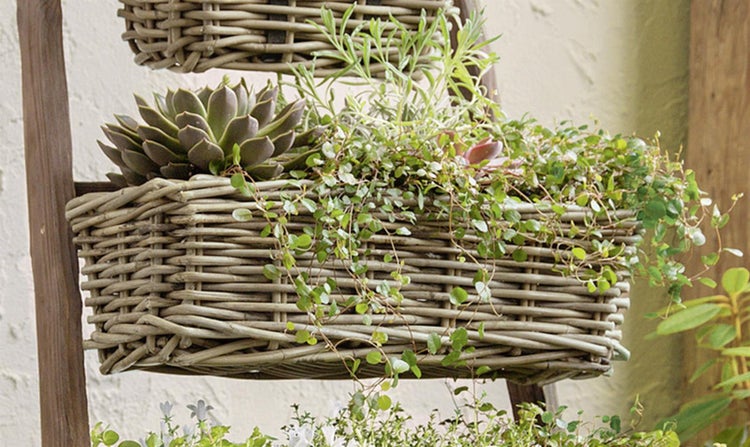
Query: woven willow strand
x=176, y=285
x=252, y=35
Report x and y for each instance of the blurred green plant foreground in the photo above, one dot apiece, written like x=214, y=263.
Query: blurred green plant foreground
x=375, y=421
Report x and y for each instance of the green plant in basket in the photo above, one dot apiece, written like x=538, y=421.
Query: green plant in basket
x=400, y=150
x=720, y=324
x=187, y=133
x=414, y=230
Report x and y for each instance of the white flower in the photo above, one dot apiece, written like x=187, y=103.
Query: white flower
x=300, y=436
x=329, y=434
x=165, y=435
x=188, y=430
x=200, y=410
x=166, y=409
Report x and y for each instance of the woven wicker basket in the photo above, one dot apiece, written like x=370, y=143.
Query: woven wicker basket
x=253, y=35
x=176, y=285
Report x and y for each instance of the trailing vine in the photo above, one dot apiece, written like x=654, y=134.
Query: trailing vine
x=399, y=150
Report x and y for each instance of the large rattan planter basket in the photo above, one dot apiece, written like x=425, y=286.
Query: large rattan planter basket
x=176, y=285
x=253, y=35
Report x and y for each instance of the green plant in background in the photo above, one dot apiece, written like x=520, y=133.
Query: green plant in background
x=376, y=421
x=720, y=323
x=200, y=433
x=189, y=133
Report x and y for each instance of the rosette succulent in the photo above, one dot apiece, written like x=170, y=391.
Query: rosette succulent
x=187, y=133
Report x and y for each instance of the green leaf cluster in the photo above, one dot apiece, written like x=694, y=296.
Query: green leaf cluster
x=375, y=420
x=720, y=324
x=394, y=151
x=396, y=144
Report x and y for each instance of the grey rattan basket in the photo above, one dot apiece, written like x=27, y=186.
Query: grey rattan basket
x=176, y=285
x=252, y=35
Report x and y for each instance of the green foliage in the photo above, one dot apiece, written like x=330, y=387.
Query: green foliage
x=720, y=325
x=400, y=148
x=376, y=421
x=416, y=151
x=201, y=433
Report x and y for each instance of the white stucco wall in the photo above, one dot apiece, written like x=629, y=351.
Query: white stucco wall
x=623, y=62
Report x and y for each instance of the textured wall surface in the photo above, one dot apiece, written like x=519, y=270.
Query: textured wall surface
x=621, y=62
x=625, y=65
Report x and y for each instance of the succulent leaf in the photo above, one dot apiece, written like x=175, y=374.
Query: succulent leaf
x=270, y=91
x=282, y=143
x=185, y=119
x=245, y=99
x=239, y=129
x=132, y=177
x=112, y=153
x=222, y=107
x=139, y=101
x=171, y=112
x=118, y=180
x=179, y=171
x=138, y=162
x=286, y=120
x=121, y=140
x=161, y=104
x=127, y=122
x=160, y=154
x=148, y=133
x=132, y=134
x=265, y=171
x=187, y=101
x=263, y=111
x=203, y=153
x=156, y=119
x=190, y=136
x=204, y=94
x=256, y=151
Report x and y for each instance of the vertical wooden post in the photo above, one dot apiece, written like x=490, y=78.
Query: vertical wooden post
x=49, y=183
x=719, y=135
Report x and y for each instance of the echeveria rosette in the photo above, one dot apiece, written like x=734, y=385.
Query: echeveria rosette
x=187, y=133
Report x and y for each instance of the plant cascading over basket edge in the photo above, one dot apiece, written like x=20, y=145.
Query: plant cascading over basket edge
x=403, y=232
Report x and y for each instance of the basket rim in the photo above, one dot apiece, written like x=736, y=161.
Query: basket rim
x=180, y=190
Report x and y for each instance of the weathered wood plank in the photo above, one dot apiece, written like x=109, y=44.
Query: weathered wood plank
x=82, y=188
x=49, y=182
x=718, y=138
x=533, y=394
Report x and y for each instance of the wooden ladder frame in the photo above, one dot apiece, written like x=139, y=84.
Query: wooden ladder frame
x=50, y=185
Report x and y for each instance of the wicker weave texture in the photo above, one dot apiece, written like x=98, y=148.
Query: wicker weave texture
x=176, y=285
x=251, y=35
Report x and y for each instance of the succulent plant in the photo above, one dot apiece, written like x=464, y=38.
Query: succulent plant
x=188, y=133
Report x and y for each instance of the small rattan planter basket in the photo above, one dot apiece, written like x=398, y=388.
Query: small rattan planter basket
x=176, y=285
x=252, y=35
